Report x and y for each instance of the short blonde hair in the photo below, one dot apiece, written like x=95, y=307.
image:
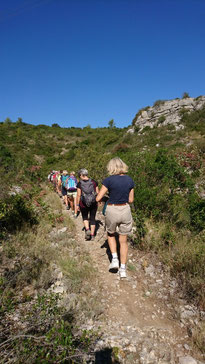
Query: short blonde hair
x=73, y=173
x=116, y=166
x=65, y=172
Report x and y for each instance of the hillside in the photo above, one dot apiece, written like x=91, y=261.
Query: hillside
x=165, y=155
x=167, y=112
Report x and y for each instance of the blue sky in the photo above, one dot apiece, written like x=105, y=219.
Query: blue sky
x=80, y=62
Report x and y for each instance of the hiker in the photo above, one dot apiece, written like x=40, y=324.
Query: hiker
x=49, y=176
x=71, y=186
x=87, y=189
x=59, y=183
x=118, y=214
x=64, y=178
x=54, y=180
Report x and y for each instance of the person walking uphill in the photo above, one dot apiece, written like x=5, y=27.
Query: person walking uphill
x=72, y=192
x=64, y=178
x=87, y=189
x=118, y=213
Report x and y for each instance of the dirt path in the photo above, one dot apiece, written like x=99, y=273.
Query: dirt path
x=144, y=317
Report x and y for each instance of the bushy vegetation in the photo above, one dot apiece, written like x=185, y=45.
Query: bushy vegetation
x=165, y=191
x=14, y=212
x=185, y=95
x=50, y=338
x=159, y=103
x=168, y=169
x=161, y=119
x=46, y=331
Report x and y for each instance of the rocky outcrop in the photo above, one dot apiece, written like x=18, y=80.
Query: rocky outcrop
x=166, y=112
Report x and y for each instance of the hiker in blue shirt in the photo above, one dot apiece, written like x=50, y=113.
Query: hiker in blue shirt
x=72, y=192
x=64, y=178
x=118, y=213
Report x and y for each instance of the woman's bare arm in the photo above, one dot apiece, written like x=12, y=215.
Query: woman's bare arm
x=78, y=196
x=102, y=192
x=131, y=195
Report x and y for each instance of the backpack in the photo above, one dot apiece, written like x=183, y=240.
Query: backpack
x=54, y=177
x=64, y=181
x=88, y=192
x=71, y=184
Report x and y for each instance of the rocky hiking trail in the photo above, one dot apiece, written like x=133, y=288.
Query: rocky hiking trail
x=144, y=318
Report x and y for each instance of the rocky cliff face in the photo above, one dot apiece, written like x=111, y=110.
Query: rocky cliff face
x=166, y=112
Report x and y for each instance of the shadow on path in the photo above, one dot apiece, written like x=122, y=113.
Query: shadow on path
x=108, y=252
x=105, y=356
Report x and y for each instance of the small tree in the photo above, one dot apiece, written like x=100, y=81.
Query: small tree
x=7, y=121
x=87, y=126
x=19, y=121
x=185, y=95
x=55, y=125
x=111, y=124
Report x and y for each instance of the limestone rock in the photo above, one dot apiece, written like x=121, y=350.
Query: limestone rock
x=168, y=111
x=187, y=360
x=63, y=230
x=16, y=190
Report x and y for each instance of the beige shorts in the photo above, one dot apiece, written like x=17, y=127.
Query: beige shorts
x=72, y=194
x=118, y=216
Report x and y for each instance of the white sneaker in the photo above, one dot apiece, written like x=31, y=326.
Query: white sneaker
x=114, y=264
x=122, y=273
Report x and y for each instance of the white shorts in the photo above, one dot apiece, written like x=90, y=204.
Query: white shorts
x=72, y=194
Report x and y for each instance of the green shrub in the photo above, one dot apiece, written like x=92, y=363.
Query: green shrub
x=137, y=129
x=70, y=155
x=51, y=336
x=183, y=112
x=156, y=179
x=161, y=119
x=195, y=120
x=185, y=95
x=14, y=212
x=146, y=128
x=197, y=212
x=55, y=125
x=159, y=103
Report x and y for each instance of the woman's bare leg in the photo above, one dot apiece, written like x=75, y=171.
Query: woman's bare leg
x=75, y=206
x=86, y=224
x=70, y=199
x=112, y=243
x=123, y=248
x=92, y=228
x=65, y=198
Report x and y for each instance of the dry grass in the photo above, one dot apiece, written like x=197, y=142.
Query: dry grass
x=183, y=252
x=76, y=271
x=34, y=258
x=53, y=201
x=199, y=337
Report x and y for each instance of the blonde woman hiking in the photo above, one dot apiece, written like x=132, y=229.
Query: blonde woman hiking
x=118, y=214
